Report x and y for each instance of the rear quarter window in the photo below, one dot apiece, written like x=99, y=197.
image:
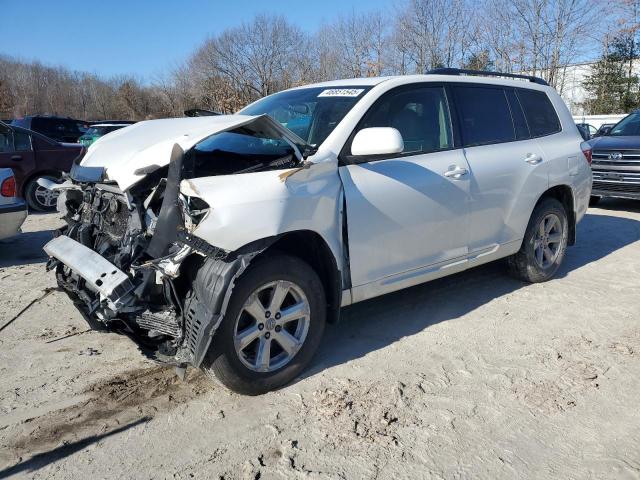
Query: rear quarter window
x=539, y=112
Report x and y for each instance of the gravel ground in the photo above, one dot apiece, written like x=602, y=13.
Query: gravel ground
x=476, y=375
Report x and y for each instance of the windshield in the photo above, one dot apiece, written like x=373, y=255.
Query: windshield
x=310, y=113
x=628, y=126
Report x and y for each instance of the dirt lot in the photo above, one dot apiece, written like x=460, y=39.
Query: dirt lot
x=477, y=375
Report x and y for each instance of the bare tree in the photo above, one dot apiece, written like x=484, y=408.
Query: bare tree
x=434, y=33
x=268, y=54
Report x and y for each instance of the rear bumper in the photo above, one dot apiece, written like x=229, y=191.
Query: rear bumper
x=11, y=218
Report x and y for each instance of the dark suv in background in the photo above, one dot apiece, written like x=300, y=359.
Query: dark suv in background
x=32, y=156
x=616, y=161
x=61, y=129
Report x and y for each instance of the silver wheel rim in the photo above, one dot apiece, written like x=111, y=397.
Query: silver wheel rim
x=45, y=197
x=548, y=240
x=271, y=326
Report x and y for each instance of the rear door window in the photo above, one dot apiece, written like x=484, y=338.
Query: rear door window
x=541, y=116
x=22, y=142
x=484, y=115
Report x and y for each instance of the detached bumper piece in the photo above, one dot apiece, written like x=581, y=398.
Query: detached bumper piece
x=100, y=275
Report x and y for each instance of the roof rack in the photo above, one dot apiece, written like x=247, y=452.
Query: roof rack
x=482, y=73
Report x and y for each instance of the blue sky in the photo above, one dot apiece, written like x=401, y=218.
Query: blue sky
x=141, y=37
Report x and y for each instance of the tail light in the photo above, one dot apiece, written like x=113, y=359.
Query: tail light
x=8, y=188
x=587, y=152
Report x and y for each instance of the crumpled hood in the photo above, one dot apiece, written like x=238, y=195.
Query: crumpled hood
x=149, y=143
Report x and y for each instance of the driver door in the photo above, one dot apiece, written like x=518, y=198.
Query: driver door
x=407, y=214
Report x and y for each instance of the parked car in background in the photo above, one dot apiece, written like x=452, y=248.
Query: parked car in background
x=616, y=161
x=588, y=129
x=227, y=242
x=13, y=210
x=200, y=112
x=32, y=156
x=60, y=129
x=604, y=129
x=98, y=130
x=584, y=132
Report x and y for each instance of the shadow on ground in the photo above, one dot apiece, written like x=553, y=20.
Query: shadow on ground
x=376, y=323
x=43, y=459
x=132, y=397
x=24, y=249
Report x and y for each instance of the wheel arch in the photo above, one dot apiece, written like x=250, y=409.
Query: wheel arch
x=310, y=247
x=565, y=195
x=307, y=245
x=36, y=174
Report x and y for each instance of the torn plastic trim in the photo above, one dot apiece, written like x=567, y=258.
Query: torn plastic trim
x=207, y=303
x=169, y=218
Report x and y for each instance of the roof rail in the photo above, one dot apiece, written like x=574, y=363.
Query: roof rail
x=482, y=73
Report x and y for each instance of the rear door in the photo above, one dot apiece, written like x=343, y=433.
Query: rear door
x=509, y=171
x=405, y=211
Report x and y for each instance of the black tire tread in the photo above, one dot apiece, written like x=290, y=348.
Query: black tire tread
x=520, y=264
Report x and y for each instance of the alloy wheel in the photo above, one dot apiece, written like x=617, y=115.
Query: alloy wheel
x=272, y=326
x=548, y=240
x=45, y=197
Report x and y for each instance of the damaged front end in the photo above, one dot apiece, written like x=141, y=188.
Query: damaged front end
x=128, y=259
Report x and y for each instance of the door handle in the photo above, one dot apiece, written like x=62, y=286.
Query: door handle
x=455, y=172
x=533, y=159
x=15, y=158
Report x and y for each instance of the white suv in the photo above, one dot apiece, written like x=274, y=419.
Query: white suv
x=227, y=242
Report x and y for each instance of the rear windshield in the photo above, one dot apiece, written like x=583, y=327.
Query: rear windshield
x=58, y=125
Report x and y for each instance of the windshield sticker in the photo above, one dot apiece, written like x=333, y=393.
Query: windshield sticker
x=341, y=92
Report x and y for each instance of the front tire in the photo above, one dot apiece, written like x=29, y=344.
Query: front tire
x=39, y=198
x=272, y=326
x=593, y=201
x=544, y=244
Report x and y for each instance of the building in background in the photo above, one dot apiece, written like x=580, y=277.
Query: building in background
x=571, y=87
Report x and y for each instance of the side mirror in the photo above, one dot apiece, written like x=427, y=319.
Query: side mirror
x=377, y=141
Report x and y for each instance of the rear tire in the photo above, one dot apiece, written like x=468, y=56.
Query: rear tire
x=39, y=198
x=237, y=355
x=544, y=244
x=593, y=201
